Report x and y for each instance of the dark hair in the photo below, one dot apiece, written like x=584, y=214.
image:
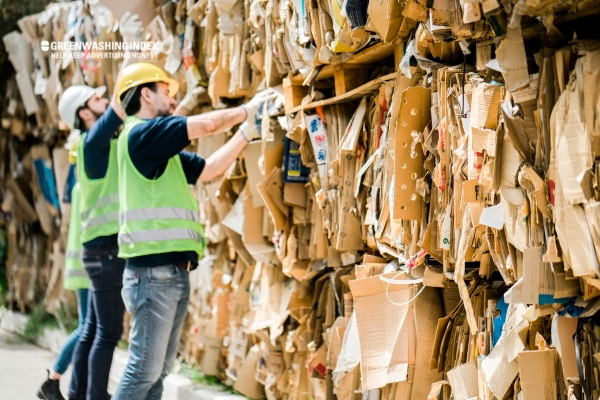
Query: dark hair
x=133, y=106
x=78, y=123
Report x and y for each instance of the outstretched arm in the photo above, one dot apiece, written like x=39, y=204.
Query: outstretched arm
x=214, y=122
x=218, y=162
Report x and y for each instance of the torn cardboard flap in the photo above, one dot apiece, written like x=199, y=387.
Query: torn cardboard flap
x=499, y=372
x=252, y=154
x=265, y=190
x=374, y=285
x=538, y=281
x=486, y=106
x=464, y=382
x=528, y=93
x=415, y=114
x=538, y=374
x=484, y=139
x=512, y=60
x=379, y=324
x=386, y=17
x=252, y=236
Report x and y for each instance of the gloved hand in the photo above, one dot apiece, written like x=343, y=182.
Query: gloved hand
x=131, y=27
x=255, y=103
x=250, y=131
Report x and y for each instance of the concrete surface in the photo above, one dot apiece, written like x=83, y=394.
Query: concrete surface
x=23, y=366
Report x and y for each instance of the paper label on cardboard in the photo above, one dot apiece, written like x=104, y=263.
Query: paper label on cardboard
x=318, y=137
x=486, y=101
x=527, y=93
x=446, y=228
x=492, y=217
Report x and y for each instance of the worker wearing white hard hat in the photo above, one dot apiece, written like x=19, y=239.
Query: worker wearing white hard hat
x=75, y=278
x=85, y=109
x=81, y=103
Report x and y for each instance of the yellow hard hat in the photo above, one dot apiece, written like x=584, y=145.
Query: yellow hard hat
x=143, y=72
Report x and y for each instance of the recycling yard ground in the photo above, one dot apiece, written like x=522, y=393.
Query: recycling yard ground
x=23, y=366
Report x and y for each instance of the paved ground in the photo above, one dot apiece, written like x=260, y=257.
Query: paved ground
x=23, y=368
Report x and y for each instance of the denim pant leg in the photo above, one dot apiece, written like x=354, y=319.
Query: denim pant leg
x=78, y=385
x=106, y=273
x=66, y=353
x=174, y=337
x=153, y=297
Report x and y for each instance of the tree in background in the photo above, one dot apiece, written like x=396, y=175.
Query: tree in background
x=11, y=11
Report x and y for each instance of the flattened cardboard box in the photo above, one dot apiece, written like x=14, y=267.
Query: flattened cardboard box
x=415, y=114
x=538, y=373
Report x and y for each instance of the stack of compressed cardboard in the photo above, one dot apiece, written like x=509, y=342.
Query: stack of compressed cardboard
x=34, y=170
x=420, y=219
x=405, y=230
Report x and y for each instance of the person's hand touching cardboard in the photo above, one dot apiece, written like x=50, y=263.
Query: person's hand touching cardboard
x=250, y=128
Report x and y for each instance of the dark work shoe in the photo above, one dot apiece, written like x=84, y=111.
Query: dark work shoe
x=50, y=390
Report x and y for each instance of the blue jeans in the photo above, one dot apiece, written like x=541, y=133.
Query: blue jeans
x=103, y=328
x=157, y=299
x=66, y=353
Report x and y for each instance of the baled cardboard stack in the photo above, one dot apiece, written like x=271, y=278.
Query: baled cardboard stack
x=427, y=252
x=34, y=166
x=420, y=218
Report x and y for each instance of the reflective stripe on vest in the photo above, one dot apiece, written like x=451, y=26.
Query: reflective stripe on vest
x=100, y=220
x=99, y=196
x=159, y=234
x=143, y=214
x=76, y=273
x=156, y=215
x=73, y=254
x=102, y=202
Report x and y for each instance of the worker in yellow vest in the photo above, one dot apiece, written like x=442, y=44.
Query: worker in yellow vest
x=98, y=118
x=75, y=278
x=160, y=235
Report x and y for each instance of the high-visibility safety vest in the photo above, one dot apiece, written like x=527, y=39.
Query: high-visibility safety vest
x=99, y=197
x=156, y=215
x=75, y=276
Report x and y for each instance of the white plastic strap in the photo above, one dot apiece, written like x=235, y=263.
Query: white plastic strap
x=393, y=281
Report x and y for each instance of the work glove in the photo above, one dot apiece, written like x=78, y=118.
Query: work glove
x=251, y=128
x=250, y=131
x=195, y=94
x=255, y=103
x=131, y=27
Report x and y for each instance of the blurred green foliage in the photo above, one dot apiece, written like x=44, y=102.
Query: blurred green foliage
x=11, y=11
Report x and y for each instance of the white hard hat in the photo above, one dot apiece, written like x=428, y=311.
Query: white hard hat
x=73, y=98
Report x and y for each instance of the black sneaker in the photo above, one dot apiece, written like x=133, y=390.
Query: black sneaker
x=50, y=390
